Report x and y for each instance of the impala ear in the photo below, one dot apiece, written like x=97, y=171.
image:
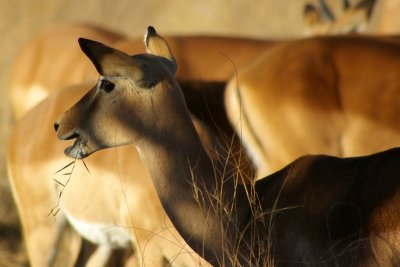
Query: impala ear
x=157, y=46
x=95, y=51
x=311, y=15
x=109, y=61
x=327, y=13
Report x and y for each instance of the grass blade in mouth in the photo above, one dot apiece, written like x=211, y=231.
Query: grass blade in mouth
x=75, y=151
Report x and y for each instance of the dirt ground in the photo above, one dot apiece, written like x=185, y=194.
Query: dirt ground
x=21, y=19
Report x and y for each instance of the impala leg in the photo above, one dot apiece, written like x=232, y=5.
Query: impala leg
x=45, y=250
x=123, y=257
x=106, y=256
x=41, y=232
x=67, y=246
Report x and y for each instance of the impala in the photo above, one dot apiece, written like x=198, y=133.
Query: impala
x=320, y=19
x=367, y=16
x=386, y=18
x=318, y=210
x=113, y=204
x=320, y=95
x=23, y=157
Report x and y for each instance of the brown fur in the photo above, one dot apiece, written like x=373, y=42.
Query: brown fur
x=319, y=95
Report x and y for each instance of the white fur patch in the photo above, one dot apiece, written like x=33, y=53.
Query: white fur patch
x=241, y=127
x=34, y=95
x=101, y=234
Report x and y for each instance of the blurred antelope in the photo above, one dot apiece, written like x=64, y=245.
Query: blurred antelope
x=333, y=95
x=320, y=19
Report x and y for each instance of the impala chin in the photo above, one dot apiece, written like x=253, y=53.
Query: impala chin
x=79, y=149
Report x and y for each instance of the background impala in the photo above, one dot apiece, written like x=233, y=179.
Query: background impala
x=319, y=95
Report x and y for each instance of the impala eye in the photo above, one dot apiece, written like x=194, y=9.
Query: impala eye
x=106, y=85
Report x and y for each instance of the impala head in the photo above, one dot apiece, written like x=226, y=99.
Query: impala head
x=134, y=95
x=320, y=19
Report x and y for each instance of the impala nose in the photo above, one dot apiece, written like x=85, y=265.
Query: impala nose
x=56, y=125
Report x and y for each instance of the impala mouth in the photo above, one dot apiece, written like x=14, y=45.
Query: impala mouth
x=79, y=148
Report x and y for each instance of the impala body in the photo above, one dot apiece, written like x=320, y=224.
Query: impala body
x=318, y=95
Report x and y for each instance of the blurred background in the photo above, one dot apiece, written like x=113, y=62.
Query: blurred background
x=20, y=20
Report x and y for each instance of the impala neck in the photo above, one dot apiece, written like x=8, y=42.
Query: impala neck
x=191, y=187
